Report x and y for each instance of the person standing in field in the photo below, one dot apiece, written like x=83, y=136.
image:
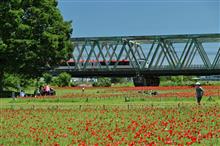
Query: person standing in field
x=199, y=92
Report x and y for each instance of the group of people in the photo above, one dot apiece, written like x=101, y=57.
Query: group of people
x=41, y=91
x=44, y=90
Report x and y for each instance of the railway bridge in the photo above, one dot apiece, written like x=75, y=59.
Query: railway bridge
x=145, y=58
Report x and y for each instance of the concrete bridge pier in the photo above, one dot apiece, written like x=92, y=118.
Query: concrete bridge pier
x=146, y=81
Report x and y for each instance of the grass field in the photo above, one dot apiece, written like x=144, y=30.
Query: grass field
x=113, y=116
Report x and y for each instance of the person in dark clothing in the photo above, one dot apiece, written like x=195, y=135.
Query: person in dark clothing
x=199, y=92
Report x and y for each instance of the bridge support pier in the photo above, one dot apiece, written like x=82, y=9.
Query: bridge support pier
x=146, y=81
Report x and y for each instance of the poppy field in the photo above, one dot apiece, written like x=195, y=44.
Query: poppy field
x=147, y=126
x=135, y=122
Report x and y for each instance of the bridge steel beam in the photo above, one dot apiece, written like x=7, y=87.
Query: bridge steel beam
x=145, y=55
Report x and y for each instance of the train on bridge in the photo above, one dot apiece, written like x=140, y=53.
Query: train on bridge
x=123, y=62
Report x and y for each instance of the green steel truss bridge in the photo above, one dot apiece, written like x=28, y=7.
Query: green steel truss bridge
x=145, y=57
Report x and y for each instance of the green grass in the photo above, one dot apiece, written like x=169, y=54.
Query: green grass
x=108, y=102
x=68, y=97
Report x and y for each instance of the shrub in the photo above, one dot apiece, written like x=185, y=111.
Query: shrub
x=177, y=79
x=102, y=82
x=74, y=84
x=62, y=80
x=47, y=78
x=118, y=80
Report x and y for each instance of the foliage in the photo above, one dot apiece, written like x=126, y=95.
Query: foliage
x=33, y=37
x=74, y=84
x=16, y=82
x=118, y=80
x=62, y=80
x=125, y=84
x=176, y=80
x=47, y=78
x=102, y=82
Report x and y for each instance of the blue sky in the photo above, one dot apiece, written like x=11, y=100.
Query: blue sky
x=93, y=18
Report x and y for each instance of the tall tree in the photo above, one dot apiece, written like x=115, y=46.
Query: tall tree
x=33, y=37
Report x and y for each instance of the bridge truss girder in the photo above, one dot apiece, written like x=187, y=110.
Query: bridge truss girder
x=169, y=53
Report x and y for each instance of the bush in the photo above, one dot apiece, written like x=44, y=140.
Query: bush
x=118, y=80
x=74, y=84
x=102, y=82
x=177, y=80
x=55, y=81
x=47, y=78
x=62, y=80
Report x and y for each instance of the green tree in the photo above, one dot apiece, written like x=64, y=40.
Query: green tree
x=33, y=37
x=15, y=82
